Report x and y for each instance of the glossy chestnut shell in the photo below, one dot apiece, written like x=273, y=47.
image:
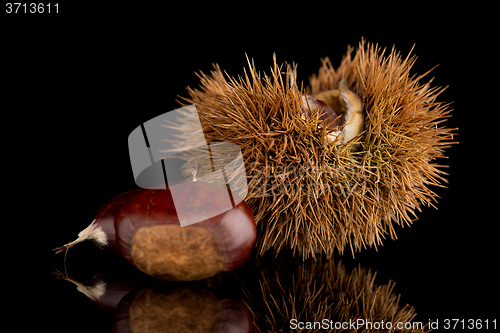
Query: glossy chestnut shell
x=149, y=234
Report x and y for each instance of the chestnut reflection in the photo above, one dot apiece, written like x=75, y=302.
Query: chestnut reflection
x=179, y=308
x=265, y=294
x=107, y=285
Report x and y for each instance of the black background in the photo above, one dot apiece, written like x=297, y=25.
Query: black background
x=75, y=85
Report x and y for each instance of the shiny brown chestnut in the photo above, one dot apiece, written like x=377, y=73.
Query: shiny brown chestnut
x=170, y=307
x=150, y=236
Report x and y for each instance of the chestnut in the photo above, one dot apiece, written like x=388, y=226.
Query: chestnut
x=180, y=308
x=150, y=236
x=330, y=117
x=340, y=110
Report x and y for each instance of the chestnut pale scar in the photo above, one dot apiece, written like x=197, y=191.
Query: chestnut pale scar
x=172, y=252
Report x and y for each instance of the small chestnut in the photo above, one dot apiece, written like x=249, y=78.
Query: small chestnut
x=327, y=114
x=150, y=236
x=340, y=109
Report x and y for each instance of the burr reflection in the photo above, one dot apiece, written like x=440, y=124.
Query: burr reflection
x=318, y=295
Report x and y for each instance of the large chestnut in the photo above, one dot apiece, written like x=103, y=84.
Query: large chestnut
x=150, y=236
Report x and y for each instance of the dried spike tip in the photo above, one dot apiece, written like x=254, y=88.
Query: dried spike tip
x=92, y=232
x=308, y=188
x=101, y=231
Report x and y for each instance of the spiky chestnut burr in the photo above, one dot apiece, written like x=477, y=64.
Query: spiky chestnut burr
x=310, y=194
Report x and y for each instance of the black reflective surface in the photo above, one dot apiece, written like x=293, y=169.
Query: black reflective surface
x=72, y=97
x=281, y=293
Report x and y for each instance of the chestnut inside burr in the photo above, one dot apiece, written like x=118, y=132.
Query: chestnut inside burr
x=172, y=252
x=330, y=115
x=341, y=111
